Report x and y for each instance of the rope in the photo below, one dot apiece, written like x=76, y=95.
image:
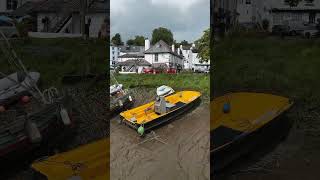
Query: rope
x=13, y=58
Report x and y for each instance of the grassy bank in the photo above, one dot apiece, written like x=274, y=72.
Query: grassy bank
x=183, y=81
x=54, y=58
x=287, y=67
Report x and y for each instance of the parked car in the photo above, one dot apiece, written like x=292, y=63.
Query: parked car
x=8, y=27
x=281, y=30
x=310, y=32
x=171, y=71
x=151, y=71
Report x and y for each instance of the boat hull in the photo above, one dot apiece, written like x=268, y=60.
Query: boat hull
x=166, y=118
x=221, y=158
x=51, y=129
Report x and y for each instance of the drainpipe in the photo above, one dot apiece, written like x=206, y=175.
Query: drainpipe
x=83, y=17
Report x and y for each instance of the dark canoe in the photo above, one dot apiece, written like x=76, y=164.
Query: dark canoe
x=115, y=105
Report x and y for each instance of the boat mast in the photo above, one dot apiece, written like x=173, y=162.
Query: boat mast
x=16, y=61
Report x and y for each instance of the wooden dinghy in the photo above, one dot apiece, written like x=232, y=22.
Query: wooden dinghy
x=241, y=121
x=150, y=115
x=87, y=162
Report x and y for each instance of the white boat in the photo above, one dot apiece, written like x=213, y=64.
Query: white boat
x=164, y=90
x=115, y=88
x=17, y=84
x=124, y=72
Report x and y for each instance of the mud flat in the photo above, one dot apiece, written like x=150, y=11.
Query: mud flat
x=181, y=150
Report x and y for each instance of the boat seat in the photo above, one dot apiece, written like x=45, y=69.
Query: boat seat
x=169, y=105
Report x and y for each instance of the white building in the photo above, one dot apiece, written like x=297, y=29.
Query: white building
x=191, y=59
x=278, y=12
x=61, y=16
x=161, y=55
x=7, y=6
x=114, y=54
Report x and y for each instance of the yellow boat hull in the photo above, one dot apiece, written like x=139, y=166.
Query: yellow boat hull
x=146, y=115
x=90, y=162
x=248, y=118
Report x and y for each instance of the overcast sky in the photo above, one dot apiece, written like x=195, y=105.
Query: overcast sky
x=187, y=19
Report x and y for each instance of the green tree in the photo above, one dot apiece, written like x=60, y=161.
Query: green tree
x=116, y=40
x=293, y=3
x=137, y=41
x=203, y=46
x=162, y=34
x=185, y=43
x=130, y=42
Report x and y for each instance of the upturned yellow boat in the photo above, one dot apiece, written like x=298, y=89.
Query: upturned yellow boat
x=240, y=121
x=88, y=162
x=163, y=109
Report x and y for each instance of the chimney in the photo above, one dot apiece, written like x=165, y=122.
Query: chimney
x=146, y=44
x=173, y=48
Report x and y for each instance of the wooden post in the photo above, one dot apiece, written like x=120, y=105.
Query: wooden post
x=83, y=17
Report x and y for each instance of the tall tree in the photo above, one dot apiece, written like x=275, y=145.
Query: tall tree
x=137, y=41
x=185, y=43
x=130, y=42
x=162, y=34
x=116, y=40
x=203, y=46
x=293, y=3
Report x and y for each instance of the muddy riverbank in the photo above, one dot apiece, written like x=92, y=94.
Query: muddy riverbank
x=180, y=151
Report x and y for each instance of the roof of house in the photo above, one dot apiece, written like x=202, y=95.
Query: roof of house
x=137, y=62
x=132, y=55
x=131, y=49
x=295, y=9
x=159, y=65
x=94, y=6
x=161, y=47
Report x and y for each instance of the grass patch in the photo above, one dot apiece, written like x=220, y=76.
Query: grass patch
x=182, y=81
x=54, y=58
x=286, y=67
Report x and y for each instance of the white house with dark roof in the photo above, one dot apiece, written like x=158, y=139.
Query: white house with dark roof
x=162, y=55
x=63, y=16
x=277, y=12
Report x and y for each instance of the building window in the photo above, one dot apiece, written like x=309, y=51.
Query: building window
x=12, y=4
x=248, y=1
x=156, y=58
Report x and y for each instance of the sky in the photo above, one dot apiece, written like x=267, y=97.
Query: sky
x=187, y=19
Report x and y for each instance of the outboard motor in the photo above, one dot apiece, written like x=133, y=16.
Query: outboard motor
x=160, y=105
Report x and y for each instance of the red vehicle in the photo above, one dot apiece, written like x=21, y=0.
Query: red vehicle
x=171, y=71
x=151, y=71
